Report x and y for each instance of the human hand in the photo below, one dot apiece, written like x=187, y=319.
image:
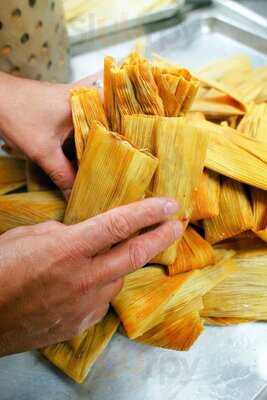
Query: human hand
x=57, y=280
x=36, y=118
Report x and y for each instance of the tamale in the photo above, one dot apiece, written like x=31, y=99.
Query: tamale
x=242, y=294
x=140, y=130
x=30, y=208
x=37, y=180
x=235, y=156
x=252, y=84
x=221, y=69
x=234, y=97
x=254, y=123
x=193, y=252
x=176, y=90
x=181, y=150
x=149, y=293
x=124, y=94
x=220, y=321
x=86, y=108
x=174, y=333
x=111, y=110
x=207, y=197
x=195, y=116
x=145, y=87
x=259, y=208
x=216, y=109
x=128, y=169
x=76, y=358
x=235, y=214
x=12, y=174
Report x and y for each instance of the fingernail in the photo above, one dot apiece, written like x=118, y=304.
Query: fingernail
x=178, y=228
x=171, y=207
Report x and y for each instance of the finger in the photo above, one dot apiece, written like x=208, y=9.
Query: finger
x=105, y=230
x=93, y=318
x=111, y=290
x=59, y=169
x=39, y=229
x=137, y=252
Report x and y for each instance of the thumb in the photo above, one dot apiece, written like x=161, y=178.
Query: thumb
x=59, y=169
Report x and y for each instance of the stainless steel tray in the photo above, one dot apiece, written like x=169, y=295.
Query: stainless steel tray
x=80, y=30
x=226, y=363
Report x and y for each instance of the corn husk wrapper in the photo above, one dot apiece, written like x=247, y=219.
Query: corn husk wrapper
x=140, y=130
x=145, y=87
x=181, y=150
x=178, y=330
x=177, y=89
x=12, y=174
x=130, y=171
x=235, y=156
x=86, y=107
x=222, y=69
x=220, y=321
x=76, y=357
x=252, y=86
x=216, y=109
x=108, y=155
x=195, y=116
x=242, y=294
x=30, y=208
x=193, y=252
x=207, y=197
x=149, y=294
x=254, y=123
x=174, y=333
x=110, y=106
x=235, y=214
x=124, y=95
x=234, y=97
x=37, y=180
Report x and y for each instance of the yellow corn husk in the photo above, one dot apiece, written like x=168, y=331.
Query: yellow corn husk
x=234, y=97
x=193, y=252
x=216, y=109
x=195, y=116
x=207, y=197
x=145, y=88
x=252, y=85
x=110, y=106
x=128, y=169
x=235, y=214
x=219, y=321
x=37, y=180
x=234, y=155
x=76, y=357
x=175, y=333
x=148, y=294
x=140, y=131
x=12, y=174
x=254, y=123
x=86, y=108
x=176, y=90
x=177, y=330
x=14, y=153
x=220, y=70
x=124, y=94
x=242, y=294
x=30, y=208
x=181, y=150
x=259, y=208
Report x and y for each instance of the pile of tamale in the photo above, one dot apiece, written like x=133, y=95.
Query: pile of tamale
x=200, y=138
